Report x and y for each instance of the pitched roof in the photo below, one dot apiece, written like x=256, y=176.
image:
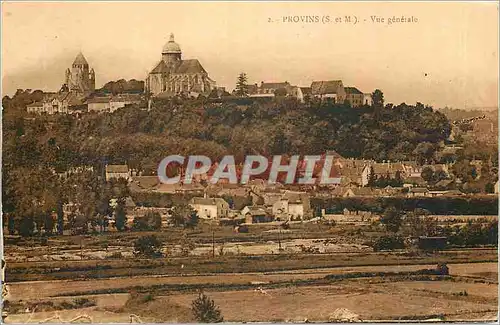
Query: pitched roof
x=35, y=104
x=352, y=90
x=161, y=67
x=207, y=201
x=419, y=190
x=116, y=169
x=274, y=85
x=98, y=100
x=190, y=66
x=256, y=210
x=145, y=182
x=80, y=59
x=126, y=98
x=326, y=87
x=305, y=90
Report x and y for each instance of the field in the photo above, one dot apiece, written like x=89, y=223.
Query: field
x=250, y=279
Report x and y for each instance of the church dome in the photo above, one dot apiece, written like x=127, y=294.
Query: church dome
x=171, y=46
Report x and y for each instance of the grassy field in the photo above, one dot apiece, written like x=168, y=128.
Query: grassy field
x=76, y=278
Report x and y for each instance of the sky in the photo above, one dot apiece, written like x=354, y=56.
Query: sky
x=448, y=57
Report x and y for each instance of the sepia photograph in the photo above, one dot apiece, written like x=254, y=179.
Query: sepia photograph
x=249, y=161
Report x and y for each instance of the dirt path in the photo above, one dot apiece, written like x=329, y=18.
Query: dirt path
x=41, y=289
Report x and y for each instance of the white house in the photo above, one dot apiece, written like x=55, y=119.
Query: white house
x=117, y=171
x=210, y=208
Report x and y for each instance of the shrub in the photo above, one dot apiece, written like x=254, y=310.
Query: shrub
x=148, y=246
x=388, y=243
x=205, y=310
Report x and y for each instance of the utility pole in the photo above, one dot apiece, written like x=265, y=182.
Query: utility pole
x=213, y=243
x=279, y=240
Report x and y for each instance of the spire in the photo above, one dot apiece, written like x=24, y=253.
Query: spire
x=80, y=59
x=171, y=37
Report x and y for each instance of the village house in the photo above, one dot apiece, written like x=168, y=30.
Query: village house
x=110, y=104
x=361, y=192
x=99, y=104
x=418, y=192
x=303, y=94
x=61, y=103
x=388, y=169
x=117, y=171
x=438, y=168
x=355, y=175
x=333, y=89
x=122, y=100
x=367, y=99
x=290, y=205
x=354, y=96
x=256, y=214
x=210, y=208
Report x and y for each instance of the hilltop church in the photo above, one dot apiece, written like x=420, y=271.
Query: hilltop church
x=172, y=75
x=80, y=79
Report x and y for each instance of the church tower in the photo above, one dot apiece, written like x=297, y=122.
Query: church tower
x=79, y=79
x=171, y=53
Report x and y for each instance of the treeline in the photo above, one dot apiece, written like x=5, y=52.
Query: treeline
x=484, y=205
x=123, y=86
x=285, y=126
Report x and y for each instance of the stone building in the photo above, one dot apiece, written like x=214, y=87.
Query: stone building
x=333, y=89
x=354, y=96
x=79, y=79
x=173, y=75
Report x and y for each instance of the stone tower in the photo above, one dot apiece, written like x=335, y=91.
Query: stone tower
x=79, y=79
x=171, y=53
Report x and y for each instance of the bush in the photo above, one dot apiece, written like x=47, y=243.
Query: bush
x=148, y=246
x=388, y=243
x=205, y=310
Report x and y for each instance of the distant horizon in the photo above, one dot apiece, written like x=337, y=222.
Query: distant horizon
x=442, y=61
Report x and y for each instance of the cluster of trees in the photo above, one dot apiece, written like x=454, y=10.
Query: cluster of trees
x=480, y=205
x=473, y=234
x=122, y=86
x=215, y=129
x=418, y=223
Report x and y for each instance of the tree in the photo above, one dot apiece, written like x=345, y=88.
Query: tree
x=183, y=215
x=193, y=219
x=148, y=246
x=151, y=221
x=120, y=216
x=391, y=218
x=241, y=85
x=428, y=174
x=489, y=188
x=377, y=102
x=372, y=180
x=205, y=310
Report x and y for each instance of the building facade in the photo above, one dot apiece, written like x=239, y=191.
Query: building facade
x=354, y=96
x=333, y=89
x=173, y=75
x=210, y=208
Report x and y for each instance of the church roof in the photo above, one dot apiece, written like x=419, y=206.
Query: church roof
x=80, y=59
x=160, y=67
x=190, y=66
x=185, y=66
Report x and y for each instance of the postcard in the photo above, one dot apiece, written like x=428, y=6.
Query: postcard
x=249, y=162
